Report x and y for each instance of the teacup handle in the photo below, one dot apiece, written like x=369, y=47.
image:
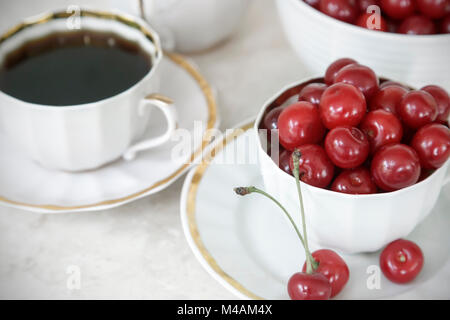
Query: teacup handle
x=168, y=109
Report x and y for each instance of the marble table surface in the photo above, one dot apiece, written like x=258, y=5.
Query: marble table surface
x=138, y=251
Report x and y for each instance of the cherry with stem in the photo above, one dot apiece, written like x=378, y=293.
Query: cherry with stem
x=324, y=273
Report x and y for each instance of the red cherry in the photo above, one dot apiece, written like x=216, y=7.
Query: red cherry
x=335, y=67
x=313, y=3
x=316, y=169
x=372, y=21
x=285, y=158
x=342, y=104
x=417, y=108
x=354, y=181
x=312, y=93
x=333, y=267
x=361, y=77
x=442, y=101
x=382, y=128
x=391, y=83
x=388, y=98
x=300, y=124
x=395, y=166
x=401, y=261
x=445, y=24
x=303, y=286
x=364, y=4
x=270, y=121
x=347, y=147
x=434, y=9
x=344, y=10
x=417, y=25
x=432, y=144
x=398, y=9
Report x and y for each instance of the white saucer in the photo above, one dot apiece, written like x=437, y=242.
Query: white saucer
x=27, y=185
x=247, y=245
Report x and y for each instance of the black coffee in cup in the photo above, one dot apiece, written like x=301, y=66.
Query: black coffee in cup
x=71, y=68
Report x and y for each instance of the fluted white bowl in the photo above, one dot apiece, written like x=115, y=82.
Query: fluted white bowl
x=189, y=26
x=345, y=222
x=319, y=40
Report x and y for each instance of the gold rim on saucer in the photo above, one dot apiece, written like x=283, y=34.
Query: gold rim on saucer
x=212, y=118
x=191, y=205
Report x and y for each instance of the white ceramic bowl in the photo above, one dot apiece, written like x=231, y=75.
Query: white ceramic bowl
x=344, y=222
x=319, y=40
x=189, y=25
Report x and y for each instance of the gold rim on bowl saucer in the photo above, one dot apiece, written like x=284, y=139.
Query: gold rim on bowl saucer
x=191, y=213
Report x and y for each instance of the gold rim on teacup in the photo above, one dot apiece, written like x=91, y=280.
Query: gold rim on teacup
x=128, y=20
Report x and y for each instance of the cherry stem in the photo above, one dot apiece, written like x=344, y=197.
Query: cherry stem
x=311, y=264
x=242, y=191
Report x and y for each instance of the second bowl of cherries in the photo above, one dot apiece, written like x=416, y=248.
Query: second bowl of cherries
x=413, y=49
x=372, y=150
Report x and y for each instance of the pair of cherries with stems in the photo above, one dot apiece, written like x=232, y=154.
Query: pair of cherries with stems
x=324, y=273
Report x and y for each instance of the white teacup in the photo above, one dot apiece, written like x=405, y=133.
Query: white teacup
x=345, y=222
x=86, y=136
